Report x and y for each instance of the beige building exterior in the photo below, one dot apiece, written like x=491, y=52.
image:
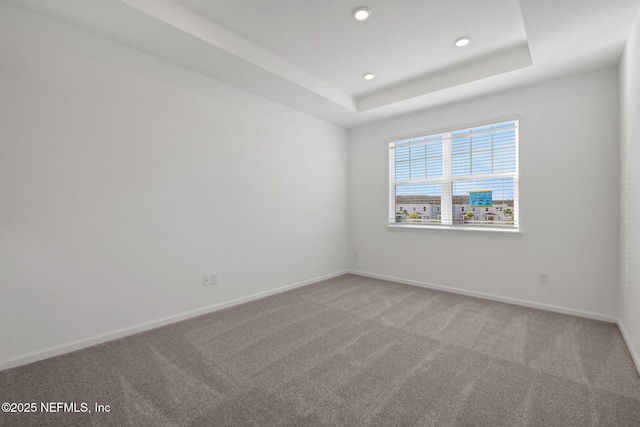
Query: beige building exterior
x=426, y=209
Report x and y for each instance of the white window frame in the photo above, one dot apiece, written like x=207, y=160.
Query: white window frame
x=447, y=180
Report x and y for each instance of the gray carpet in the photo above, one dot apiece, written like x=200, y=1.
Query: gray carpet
x=349, y=351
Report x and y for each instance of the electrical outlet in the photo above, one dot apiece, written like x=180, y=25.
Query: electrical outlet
x=543, y=278
x=214, y=279
x=206, y=280
x=356, y=253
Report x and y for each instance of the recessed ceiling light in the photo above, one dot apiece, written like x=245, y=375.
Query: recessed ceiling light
x=361, y=13
x=463, y=41
x=368, y=76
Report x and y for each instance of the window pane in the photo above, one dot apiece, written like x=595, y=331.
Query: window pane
x=481, y=162
x=418, y=203
x=481, y=142
x=461, y=156
x=484, y=150
x=504, y=160
x=434, y=160
x=461, y=165
x=421, y=161
x=499, y=214
x=418, y=162
x=402, y=155
x=402, y=171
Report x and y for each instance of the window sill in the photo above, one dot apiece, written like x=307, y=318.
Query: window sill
x=457, y=229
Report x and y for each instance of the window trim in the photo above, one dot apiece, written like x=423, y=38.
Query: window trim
x=446, y=194
x=456, y=229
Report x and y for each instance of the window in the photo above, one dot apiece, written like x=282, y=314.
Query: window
x=453, y=172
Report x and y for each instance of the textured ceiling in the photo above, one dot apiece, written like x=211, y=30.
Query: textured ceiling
x=310, y=55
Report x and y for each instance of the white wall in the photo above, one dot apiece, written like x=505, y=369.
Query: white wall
x=569, y=159
x=124, y=179
x=630, y=191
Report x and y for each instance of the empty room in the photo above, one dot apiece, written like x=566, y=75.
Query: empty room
x=320, y=213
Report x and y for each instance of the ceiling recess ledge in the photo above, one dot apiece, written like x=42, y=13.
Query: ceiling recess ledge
x=195, y=25
x=491, y=65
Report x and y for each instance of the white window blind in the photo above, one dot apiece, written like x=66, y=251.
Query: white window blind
x=438, y=180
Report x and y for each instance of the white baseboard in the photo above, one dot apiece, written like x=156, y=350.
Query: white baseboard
x=515, y=301
x=630, y=346
x=120, y=333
